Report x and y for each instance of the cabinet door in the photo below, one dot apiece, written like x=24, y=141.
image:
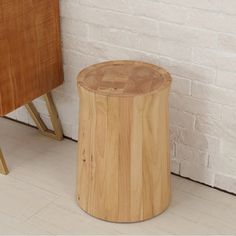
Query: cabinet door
x=30, y=52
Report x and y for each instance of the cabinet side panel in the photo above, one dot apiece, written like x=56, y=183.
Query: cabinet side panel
x=30, y=51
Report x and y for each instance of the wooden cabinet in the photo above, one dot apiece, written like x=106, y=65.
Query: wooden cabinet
x=30, y=54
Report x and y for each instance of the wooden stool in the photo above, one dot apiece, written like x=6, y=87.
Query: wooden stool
x=123, y=168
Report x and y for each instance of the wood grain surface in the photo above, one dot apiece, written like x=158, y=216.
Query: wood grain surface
x=3, y=166
x=30, y=63
x=123, y=78
x=123, y=159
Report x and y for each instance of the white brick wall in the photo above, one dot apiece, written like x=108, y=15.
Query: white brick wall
x=194, y=40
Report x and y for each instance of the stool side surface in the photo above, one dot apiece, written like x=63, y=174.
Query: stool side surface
x=123, y=156
x=124, y=78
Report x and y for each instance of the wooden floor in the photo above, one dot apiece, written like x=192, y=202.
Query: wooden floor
x=38, y=197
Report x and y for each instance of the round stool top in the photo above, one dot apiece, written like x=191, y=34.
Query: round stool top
x=123, y=78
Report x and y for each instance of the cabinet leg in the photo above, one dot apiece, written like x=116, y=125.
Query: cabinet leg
x=3, y=165
x=57, y=133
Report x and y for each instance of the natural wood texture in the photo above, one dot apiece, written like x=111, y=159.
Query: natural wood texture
x=123, y=78
x=56, y=123
x=30, y=64
x=3, y=166
x=123, y=159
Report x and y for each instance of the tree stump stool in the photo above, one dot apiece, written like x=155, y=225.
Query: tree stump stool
x=124, y=166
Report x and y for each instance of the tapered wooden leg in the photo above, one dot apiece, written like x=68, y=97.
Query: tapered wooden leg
x=57, y=133
x=3, y=166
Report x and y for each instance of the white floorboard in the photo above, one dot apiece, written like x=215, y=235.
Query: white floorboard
x=38, y=196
